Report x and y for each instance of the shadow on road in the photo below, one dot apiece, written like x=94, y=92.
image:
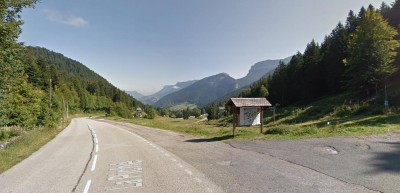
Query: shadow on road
x=387, y=161
x=201, y=140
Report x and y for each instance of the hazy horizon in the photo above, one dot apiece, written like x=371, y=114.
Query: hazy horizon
x=144, y=45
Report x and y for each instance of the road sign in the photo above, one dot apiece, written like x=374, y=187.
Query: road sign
x=386, y=103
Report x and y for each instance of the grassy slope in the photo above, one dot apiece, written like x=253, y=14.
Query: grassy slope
x=182, y=106
x=331, y=116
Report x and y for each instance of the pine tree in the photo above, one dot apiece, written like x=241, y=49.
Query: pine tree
x=371, y=52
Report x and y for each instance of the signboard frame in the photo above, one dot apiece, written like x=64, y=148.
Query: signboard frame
x=249, y=116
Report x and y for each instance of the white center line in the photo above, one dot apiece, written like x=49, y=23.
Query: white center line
x=87, y=186
x=97, y=148
x=94, y=163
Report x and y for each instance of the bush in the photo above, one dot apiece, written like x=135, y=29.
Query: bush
x=151, y=113
x=305, y=131
x=8, y=133
x=279, y=130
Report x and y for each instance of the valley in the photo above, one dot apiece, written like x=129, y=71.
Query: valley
x=72, y=118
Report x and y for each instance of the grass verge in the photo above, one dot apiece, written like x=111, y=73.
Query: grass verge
x=222, y=129
x=25, y=145
x=28, y=142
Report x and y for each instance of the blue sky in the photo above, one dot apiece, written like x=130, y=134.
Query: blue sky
x=145, y=44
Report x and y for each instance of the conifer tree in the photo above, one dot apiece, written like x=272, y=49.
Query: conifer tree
x=371, y=52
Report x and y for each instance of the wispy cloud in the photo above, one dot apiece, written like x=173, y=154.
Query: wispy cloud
x=58, y=17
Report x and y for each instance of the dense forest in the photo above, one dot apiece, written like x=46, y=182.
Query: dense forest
x=358, y=57
x=38, y=86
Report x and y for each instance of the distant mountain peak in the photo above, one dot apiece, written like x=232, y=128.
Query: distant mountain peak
x=216, y=86
x=167, y=89
x=135, y=94
x=259, y=70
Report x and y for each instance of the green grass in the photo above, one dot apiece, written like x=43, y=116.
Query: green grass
x=25, y=145
x=25, y=142
x=330, y=116
x=221, y=130
x=182, y=106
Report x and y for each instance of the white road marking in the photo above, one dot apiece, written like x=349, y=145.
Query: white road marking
x=87, y=186
x=126, y=175
x=97, y=148
x=180, y=165
x=173, y=159
x=189, y=172
x=94, y=163
x=166, y=154
x=97, y=141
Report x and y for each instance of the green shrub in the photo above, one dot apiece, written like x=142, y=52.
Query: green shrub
x=8, y=133
x=278, y=130
x=305, y=131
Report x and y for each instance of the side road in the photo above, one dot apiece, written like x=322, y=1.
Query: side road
x=342, y=164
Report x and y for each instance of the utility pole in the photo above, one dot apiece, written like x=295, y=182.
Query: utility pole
x=50, y=94
x=67, y=110
x=64, y=109
x=386, y=103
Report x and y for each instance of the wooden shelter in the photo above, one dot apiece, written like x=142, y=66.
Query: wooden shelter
x=248, y=111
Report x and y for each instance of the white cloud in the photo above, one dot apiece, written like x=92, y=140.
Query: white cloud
x=58, y=17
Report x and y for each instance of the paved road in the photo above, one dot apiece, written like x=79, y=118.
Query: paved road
x=104, y=156
x=236, y=169
x=372, y=161
x=91, y=156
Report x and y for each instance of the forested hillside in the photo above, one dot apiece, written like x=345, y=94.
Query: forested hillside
x=84, y=89
x=357, y=58
x=37, y=86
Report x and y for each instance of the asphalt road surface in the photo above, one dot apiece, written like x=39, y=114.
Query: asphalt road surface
x=91, y=156
x=103, y=156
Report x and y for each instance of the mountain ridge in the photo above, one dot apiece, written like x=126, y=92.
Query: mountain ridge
x=194, y=94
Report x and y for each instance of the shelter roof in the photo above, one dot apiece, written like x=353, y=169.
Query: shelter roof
x=249, y=102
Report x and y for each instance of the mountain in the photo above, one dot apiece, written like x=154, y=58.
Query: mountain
x=135, y=94
x=168, y=89
x=218, y=87
x=256, y=72
x=260, y=69
x=201, y=92
x=81, y=87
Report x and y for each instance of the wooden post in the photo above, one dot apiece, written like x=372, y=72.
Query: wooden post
x=234, y=120
x=273, y=112
x=261, y=119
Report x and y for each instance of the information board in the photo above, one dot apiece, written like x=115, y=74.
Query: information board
x=249, y=116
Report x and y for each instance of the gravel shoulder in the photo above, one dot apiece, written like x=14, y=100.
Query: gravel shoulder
x=337, y=164
x=371, y=161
